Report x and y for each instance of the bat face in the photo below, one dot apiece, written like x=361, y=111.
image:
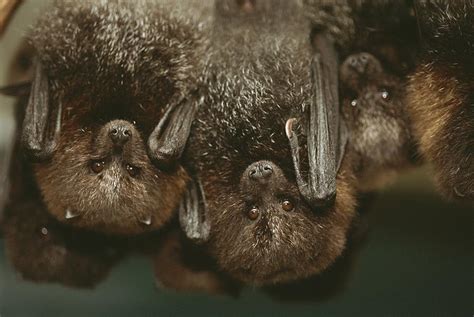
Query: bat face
x=266, y=233
x=101, y=177
x=373, y=104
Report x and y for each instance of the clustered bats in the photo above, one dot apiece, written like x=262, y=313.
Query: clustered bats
x=300, y=107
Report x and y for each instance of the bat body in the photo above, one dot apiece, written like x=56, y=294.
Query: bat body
x=260, y=228
x=101, y=131
x=440, y=95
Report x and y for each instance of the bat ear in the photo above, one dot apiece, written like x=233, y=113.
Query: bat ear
x=166, y=143
x=193, y=215
x=42, y=123
x=327, y=134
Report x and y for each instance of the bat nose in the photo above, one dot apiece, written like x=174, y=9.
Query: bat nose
x=120, y=132
x=260, y=171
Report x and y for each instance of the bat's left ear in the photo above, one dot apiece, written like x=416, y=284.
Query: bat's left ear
x=42, y=122
x=193, y=216
x=166, y=143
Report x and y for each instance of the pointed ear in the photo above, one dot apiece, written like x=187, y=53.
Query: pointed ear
x=193, y=215
x=327, y=133
x=166, y=143
x=42, y=122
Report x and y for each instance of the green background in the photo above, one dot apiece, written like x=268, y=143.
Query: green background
x=418, y=259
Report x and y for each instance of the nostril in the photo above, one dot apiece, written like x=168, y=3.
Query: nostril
x=267, y=171
x=268, y=168
x=127, y=133
x=114, y=132
x=253, y=173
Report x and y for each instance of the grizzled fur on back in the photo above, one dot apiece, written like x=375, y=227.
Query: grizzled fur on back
x=125, y=42
x=257, y=77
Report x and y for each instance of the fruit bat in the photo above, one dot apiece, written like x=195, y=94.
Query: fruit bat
x=274, y=189
x=263, y=153
x=440, y=95
x=102, y=125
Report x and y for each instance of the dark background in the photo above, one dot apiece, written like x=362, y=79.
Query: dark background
x=418, y=259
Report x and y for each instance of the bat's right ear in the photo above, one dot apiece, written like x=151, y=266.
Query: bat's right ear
x=42, y=122
x=193, y=216
x=166, y=143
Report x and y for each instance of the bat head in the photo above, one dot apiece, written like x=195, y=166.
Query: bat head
x=107, y=118
x=373, y=103
x=264, y=231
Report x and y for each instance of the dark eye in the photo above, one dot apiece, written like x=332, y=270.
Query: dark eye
x=287, y=205
x=385, y=94
x=97, y=166
x=132, y=170
x=253, y=213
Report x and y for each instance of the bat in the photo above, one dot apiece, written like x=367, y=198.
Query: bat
x=274, y=191
x=440, y=95
x=101, y=129
x=374, y=107
x=255, y=200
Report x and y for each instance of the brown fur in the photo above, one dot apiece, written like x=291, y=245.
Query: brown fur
x=183, y=267
x=443, y=124
x=43, y=250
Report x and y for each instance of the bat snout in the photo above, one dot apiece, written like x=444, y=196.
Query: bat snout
x=260, y=171
x=120, y=132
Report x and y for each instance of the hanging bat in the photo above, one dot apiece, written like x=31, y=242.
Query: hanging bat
x=440, y=95
x=274, y=191
x=102, y=127
x=261, y=197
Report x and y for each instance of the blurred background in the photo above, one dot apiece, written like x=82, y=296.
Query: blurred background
x=417, y=259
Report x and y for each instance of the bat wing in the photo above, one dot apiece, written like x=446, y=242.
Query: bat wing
x=193, y=213
x=327, y=134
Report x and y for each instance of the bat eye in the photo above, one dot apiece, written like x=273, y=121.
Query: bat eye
x=354, y=102
x=385, y=95
x=287, y=205
x=132, y=170
x=97, y=166
x=253, y=213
